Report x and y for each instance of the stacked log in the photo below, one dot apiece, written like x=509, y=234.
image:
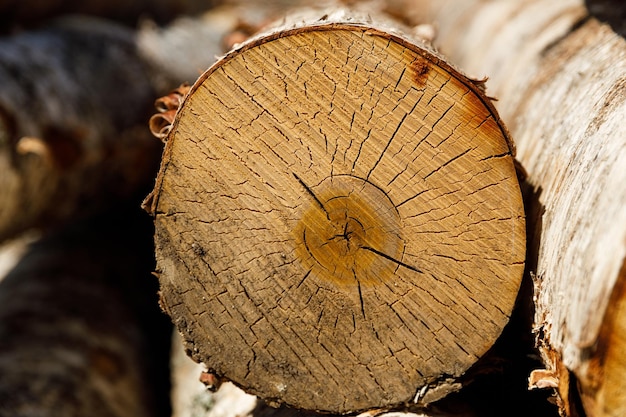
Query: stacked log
x=339, y=224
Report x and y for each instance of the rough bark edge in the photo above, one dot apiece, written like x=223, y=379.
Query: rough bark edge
x=571, y=330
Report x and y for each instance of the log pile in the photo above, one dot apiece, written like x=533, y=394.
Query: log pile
x=339, y=217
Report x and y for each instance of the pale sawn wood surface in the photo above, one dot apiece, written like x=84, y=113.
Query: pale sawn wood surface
x=559, y=76
x=339, y=221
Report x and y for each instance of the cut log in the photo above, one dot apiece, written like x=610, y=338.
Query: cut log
x=560, y=77
x=81, y=333
x=339, y=224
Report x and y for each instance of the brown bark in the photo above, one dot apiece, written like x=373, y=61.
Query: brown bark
x=339, y=223
x=80, y=330
x=559, y=77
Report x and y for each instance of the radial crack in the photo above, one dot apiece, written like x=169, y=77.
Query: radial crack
x=392, y=259
x=387, y=145
x=312, y=194
x=358, y=283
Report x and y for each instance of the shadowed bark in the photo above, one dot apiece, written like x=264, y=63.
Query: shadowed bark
x=80, y=329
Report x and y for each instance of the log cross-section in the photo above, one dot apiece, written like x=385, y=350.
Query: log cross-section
x=338, y=219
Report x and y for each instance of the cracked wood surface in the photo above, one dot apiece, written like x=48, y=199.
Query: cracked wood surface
x=338, y=219
x=560, y=77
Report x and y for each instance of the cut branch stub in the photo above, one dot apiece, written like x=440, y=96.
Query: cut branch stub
x=338, y=219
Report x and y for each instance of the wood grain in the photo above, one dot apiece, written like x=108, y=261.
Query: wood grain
x=339, y=221
x=560, y=77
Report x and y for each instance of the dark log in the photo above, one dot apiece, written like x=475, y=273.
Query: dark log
x=74, y=103
x=80, y=329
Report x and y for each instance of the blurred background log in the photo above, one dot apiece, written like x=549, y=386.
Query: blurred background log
x=73, y=106
x=80, y=328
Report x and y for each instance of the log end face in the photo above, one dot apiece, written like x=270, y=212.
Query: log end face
x=332, y=249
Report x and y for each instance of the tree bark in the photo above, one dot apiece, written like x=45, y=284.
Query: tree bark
x=339, y=221
x=560, y=78
x=81, y=333
x=73, y=109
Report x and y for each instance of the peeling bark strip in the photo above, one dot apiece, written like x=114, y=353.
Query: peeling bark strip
x=339, y=223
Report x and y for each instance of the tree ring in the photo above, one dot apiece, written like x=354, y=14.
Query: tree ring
x=350, y=232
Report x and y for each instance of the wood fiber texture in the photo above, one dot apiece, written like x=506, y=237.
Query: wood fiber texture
x=560, y=78
x=338, y=219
